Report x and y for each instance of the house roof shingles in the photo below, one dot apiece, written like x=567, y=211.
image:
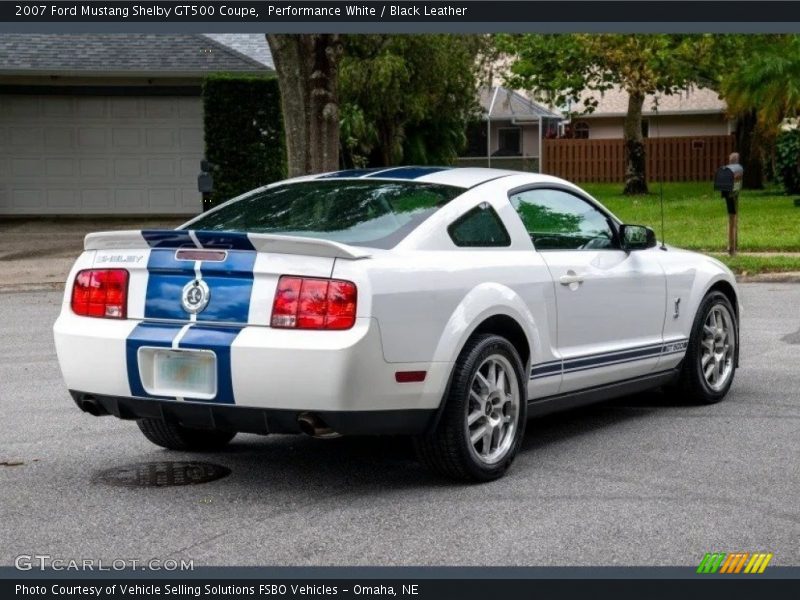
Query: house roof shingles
x=695, y=100
x=102, y=54
x=512, y=105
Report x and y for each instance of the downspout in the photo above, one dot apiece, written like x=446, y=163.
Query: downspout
x=541, y=147
x=489, y=128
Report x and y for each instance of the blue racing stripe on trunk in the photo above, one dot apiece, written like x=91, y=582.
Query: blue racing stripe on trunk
x=218, y=340
x=157, y=335
x=230, y=284
x=198, y=337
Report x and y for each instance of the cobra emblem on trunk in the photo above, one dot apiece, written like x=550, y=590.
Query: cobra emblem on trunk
x=195, y=296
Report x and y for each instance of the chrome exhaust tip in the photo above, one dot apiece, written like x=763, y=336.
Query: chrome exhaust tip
x=313, y=426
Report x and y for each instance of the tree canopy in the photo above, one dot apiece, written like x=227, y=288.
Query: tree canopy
x=572, y=69
x=408, y=98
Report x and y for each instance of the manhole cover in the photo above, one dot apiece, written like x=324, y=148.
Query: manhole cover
x=163, y=474
x=792, y=338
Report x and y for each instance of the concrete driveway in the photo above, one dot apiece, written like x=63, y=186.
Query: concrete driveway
x=36, y=253
x=642, y=481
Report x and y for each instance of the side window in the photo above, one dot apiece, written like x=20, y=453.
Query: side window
x=558, y=220
x=479, y=227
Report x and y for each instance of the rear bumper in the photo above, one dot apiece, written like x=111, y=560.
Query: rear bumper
x=258, y=367
x=254, y=420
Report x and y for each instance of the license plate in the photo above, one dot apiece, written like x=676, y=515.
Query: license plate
x=185, y=373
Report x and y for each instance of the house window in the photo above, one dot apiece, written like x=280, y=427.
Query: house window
x=581, y=130
x=509, y=141
x=645, y=128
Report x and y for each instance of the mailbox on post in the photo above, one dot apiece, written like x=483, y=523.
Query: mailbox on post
x=728, y=181
x=205, y=183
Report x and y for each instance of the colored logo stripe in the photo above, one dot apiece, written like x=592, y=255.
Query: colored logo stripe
x=735, y=562
x=197, y=337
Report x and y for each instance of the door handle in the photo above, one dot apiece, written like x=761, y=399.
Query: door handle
x=571, y=278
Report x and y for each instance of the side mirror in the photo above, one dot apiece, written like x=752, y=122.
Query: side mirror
x=636, y=237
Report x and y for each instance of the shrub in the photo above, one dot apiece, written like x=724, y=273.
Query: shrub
x=787, y=160
x=244, y=138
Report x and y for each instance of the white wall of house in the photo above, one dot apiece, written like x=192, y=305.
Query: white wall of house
x=64, y=154
x=660, y=126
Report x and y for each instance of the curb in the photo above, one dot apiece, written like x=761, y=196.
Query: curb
x=788, y=277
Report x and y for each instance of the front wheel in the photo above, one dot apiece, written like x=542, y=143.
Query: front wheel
x=177, y=437
x=483, y=420
x=710, y=362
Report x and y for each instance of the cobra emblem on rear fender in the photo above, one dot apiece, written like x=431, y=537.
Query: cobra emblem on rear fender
x=195, y=297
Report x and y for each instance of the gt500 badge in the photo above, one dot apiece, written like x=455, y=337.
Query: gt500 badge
x=195, y=296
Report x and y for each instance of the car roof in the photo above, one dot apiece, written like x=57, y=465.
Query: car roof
x=463, y=177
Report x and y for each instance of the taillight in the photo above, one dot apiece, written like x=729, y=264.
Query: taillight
x=101, y=293
x=311, y=303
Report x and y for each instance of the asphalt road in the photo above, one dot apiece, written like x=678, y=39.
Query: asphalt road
x=643, y=481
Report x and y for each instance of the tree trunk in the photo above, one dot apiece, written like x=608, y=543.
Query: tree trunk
x=749, y=148
x=635, y=154
x=308, y=75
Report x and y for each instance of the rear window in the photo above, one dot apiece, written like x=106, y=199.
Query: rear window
x=363, y=213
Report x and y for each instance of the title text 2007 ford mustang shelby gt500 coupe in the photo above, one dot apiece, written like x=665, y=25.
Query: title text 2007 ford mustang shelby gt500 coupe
x=447, y=304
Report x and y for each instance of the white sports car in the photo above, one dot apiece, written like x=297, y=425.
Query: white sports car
x=446, y=304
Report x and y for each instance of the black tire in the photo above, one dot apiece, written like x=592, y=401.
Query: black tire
x=447, y=450
x=177, y=437
x=692, y=382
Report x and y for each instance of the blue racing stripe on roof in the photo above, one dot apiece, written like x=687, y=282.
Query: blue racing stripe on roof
x=351, y=173
x=406, y=172
x=182, y=238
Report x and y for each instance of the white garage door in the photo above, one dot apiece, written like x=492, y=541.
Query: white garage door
x=100, y=155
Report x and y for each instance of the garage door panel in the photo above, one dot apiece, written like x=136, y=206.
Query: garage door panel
x=95, y=154
x=92, y=138
x=91, y=107
x=26, y=198
x=130, y=200
x=59, y=106
x=60, y=137
x=68, y=200
x=25, y=139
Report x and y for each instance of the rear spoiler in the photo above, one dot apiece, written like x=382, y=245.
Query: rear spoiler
x=221, y=240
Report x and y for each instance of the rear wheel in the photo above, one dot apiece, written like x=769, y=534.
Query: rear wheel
x=177, y=437
x=483, y=420
x=710, y=362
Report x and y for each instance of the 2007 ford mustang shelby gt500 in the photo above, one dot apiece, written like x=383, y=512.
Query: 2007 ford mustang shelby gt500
x=447, y=304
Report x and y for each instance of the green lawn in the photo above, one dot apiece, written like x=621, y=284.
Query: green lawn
x=695, y=216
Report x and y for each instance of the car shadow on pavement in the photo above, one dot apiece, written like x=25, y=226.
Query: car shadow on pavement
x=361, y=462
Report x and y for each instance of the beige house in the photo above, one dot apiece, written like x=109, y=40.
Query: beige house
x=691, y=112
x=509, y=134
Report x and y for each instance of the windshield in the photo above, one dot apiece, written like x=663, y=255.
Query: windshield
x=364, y=213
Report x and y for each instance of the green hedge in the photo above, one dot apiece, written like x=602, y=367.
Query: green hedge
x=787, y=161
x=243, y=133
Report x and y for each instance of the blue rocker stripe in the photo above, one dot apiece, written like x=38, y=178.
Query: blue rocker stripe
x=604, y=359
